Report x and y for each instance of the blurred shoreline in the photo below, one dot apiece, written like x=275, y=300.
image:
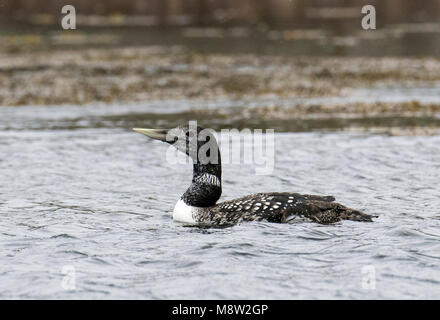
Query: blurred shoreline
x=283, y=78
x=400, y=40
x=84, y=71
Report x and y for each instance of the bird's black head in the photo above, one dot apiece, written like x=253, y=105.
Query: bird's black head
x=197, y=142
x=201, y=146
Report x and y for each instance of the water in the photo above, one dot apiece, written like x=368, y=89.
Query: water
x=413, y=39
x=84, y=191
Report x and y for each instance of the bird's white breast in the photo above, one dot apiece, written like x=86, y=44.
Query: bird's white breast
x=184, y=213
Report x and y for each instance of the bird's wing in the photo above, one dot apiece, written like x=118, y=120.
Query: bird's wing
x=282, y=207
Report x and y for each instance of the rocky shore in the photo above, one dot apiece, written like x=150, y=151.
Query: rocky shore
x=152, y=73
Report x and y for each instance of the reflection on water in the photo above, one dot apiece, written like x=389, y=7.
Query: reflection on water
x=99, y=199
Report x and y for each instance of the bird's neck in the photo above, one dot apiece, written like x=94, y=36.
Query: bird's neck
x=206, y=185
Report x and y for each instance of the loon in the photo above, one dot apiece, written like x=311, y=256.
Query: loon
x=198, y=205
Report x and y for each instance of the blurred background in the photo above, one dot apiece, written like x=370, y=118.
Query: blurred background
x=263, y=63
x=274, y=13
x=239, y=26
x=356, y=115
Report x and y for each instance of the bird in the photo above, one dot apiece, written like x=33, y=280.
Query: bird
x=198, y=205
